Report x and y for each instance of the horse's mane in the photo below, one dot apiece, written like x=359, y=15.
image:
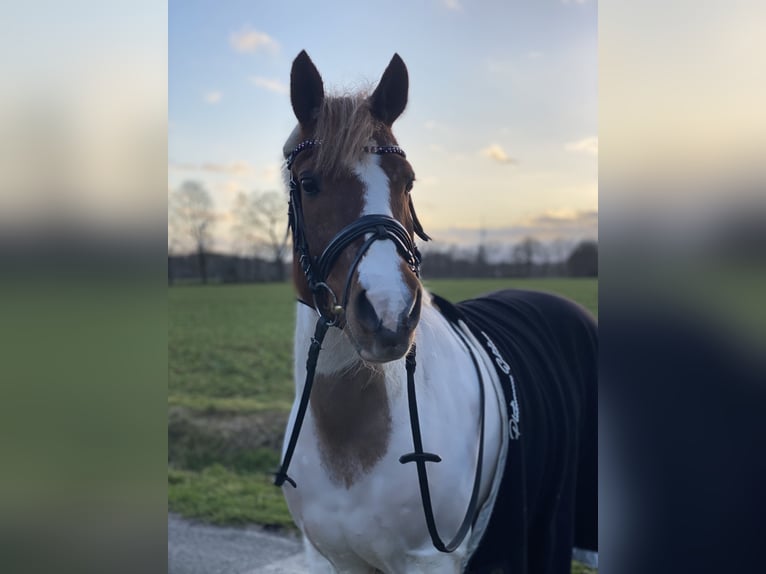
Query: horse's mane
x=344, y=125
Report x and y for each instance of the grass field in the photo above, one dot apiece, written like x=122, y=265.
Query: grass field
x=230, y=389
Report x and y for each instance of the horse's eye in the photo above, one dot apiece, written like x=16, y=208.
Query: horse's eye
x=309, y=185
x=410, y=183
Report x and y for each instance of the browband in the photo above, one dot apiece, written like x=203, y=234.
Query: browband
x=310, y=143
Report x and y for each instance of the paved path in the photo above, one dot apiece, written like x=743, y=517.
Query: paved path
x=195, y=548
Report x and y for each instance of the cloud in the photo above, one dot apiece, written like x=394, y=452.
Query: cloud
x=497, y=153
x=213, y=97
x=563, y=217
x=453, y=5
x=239, y=168
x=240, y=173
x=251, y=41
x=548, y=226
x=534, y=54
x=271, y=84
x=561, y=223
x=574, y=1
x=587, y=145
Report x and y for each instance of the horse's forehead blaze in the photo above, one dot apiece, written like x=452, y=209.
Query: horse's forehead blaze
x=399, y=173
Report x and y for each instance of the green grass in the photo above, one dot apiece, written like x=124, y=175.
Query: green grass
x=578, y=568
x=230, y=390
x=231, y=346
x=220, y=496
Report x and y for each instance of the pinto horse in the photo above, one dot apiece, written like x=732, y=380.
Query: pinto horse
x=425, y=436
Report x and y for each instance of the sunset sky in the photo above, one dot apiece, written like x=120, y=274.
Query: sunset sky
x=501, y=126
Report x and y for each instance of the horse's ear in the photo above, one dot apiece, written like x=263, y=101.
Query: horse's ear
x=390, y=97
x=306, y=90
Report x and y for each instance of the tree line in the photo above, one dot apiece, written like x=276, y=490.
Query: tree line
x=258, y=224
x=258, y=228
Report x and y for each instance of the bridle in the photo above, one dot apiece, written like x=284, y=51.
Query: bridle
x=374, y=227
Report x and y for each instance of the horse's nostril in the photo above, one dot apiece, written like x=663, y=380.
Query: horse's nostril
x=366, y=313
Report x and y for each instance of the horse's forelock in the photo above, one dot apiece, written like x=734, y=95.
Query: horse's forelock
x=345, y=126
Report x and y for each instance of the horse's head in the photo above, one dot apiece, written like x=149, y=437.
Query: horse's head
x=351, y=212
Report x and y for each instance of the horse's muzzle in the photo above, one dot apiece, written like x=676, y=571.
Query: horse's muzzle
x=378, y=342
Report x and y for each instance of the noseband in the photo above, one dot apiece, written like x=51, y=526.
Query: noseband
x=376, y=227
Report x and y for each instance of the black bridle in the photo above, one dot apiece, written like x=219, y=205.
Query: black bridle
x=375, y=227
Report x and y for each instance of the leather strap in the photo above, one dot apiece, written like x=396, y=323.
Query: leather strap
x=419, y=457
x=311, y=363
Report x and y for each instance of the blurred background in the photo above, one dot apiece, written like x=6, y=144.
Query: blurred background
x=83, y=319
x=120, y=392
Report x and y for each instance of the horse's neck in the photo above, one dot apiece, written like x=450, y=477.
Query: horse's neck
x=338, y=356
x=350, y=405
x=353, y=405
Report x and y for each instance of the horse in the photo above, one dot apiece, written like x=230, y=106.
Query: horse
x=415, y=418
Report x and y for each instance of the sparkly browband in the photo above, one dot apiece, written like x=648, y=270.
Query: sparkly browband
x=376, y=149
x=305, y=144
x=381, y=149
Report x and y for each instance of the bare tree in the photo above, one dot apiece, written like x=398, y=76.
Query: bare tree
x=583, y=262
x=481, y=267
x=559, y=249
x=190, y=217
x=526, y=252
x=261, y=221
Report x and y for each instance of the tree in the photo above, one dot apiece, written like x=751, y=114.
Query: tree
x=559, y=249
x=190, y=218
x=583, y=262
x=260, y=223
x=526, y=252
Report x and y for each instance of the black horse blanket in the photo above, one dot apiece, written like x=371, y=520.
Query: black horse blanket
x=544, y=348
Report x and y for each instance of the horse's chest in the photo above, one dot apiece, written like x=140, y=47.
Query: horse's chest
x=351, y=418
x=369, y=521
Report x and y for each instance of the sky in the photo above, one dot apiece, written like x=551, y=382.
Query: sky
x=501, y=126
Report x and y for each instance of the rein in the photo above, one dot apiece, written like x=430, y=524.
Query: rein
x=376, y=227
x=420, y=458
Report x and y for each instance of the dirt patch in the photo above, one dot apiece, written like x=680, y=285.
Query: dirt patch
x=240, y=441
